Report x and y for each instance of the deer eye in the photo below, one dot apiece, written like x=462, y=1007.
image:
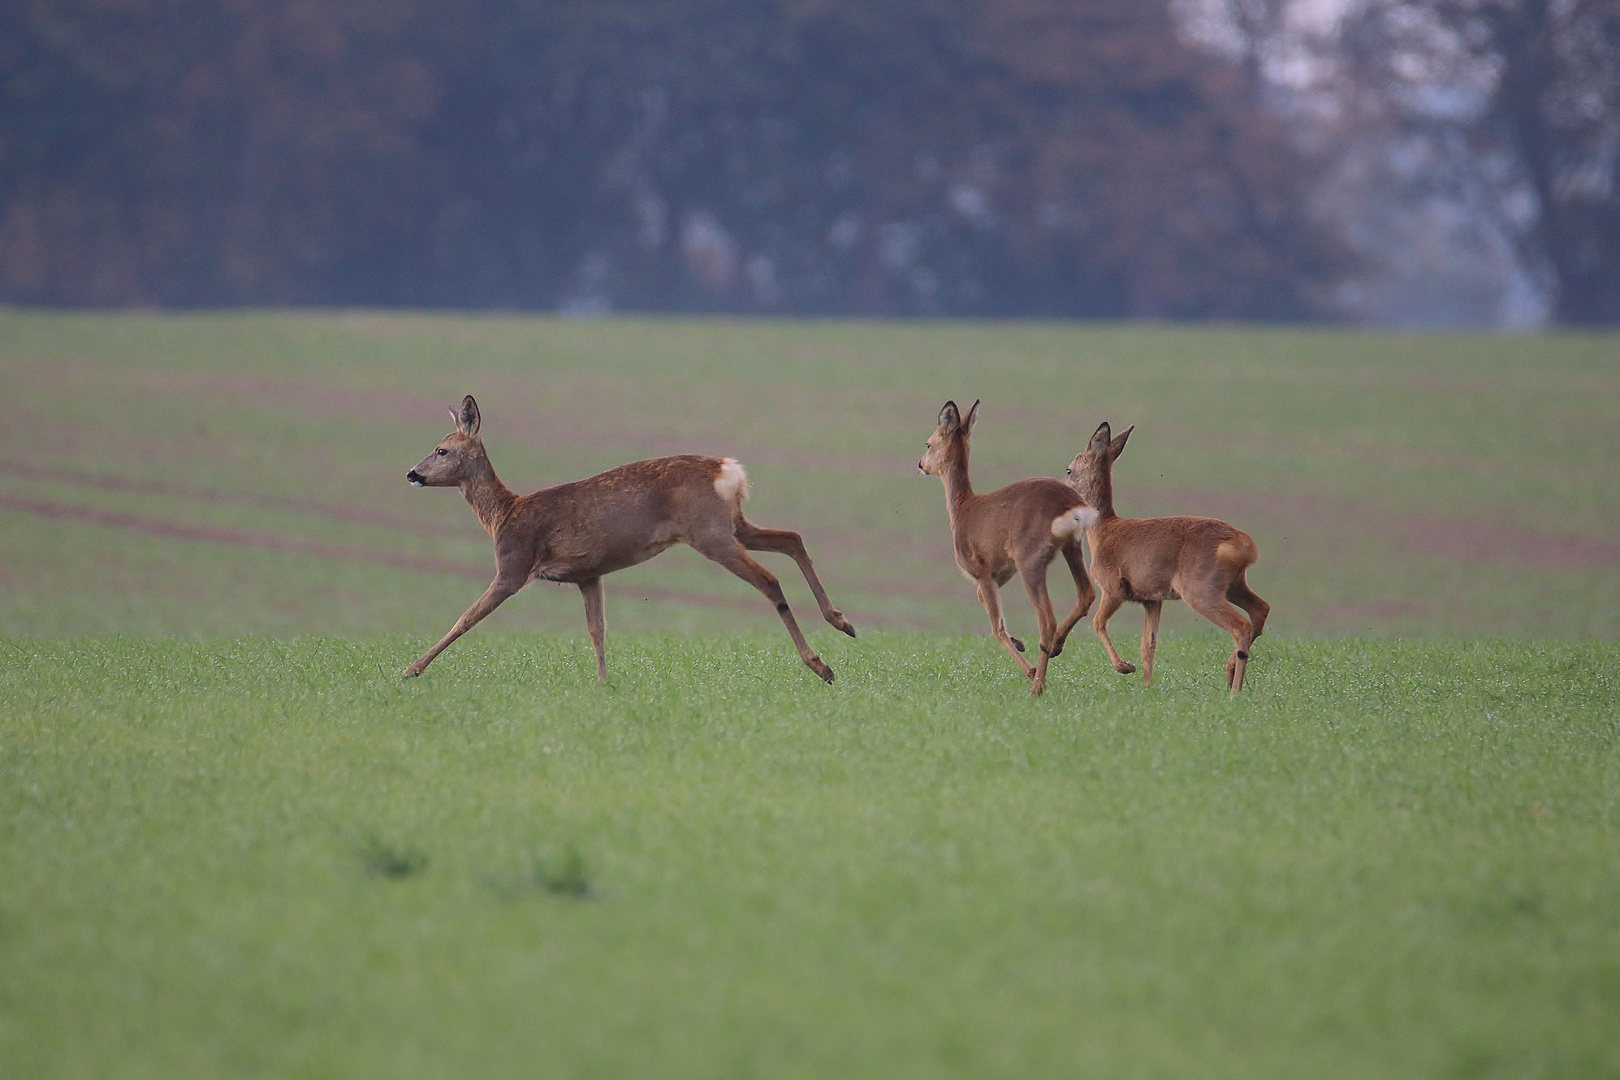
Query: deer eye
x=441, y=451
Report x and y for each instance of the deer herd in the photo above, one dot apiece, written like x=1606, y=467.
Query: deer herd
x=581, y=531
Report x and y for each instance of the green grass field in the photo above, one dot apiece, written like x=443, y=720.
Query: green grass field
x=271, y=858
x=234, y=844
x=245, y=473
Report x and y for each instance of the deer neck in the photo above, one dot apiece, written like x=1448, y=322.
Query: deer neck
x=490, y=499
x=958, y=488
x=1105, y=496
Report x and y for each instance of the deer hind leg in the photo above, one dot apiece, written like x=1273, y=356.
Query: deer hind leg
x=1246, y=598
x=1034, y=574
x=1084, y=594
x=1106, y=607
x=1150, y=637
x=596, y=623
x=493, y=597
x=1212, y=605
x=730, y=553
x=789, y=543
x=990, y=597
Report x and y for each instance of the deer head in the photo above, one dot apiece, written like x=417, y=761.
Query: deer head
x=953, y=432
x=457, y=453
x=1091, y=472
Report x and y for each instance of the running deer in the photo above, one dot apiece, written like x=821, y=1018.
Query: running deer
x=1150, y=560
x=1018, y=529
x=578, y=532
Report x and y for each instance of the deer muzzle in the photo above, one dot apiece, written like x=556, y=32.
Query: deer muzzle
x=416, y=479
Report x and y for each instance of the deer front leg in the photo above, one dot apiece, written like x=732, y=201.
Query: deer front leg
x=1099, y=622
x=1084, y=594
x=1150, y=638
x=991, y=599
x=493, y=597
x=596, y=623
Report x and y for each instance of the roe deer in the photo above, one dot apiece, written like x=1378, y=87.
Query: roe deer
x=1150, y=560
x=578, y=532
x=1019, y=529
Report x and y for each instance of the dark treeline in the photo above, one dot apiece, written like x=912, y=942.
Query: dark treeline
x=1001, y=157
x=862, y=156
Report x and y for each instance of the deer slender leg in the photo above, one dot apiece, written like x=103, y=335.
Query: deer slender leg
x=730, y=553
x=1035, y=585
x=1213, y=606
x=1099, y=622
x=990, y=597
x=1246, y=598
x=596, y=623
x=493, y=597
x=1150, y=637
x=789, y=543
x=1083, y=592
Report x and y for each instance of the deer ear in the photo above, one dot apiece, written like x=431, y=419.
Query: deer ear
x=468, y=419
x=1099, y=440
x=949, y=418
x=972, y=416
x=1117, y=446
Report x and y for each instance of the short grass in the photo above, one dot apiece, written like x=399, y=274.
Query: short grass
x=244, y=472
x=270, y=858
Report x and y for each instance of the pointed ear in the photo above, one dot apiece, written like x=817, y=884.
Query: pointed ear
x=1117, y=446
x=468, y=419
x=972, y=416
x=1099, y=440
x=949, y=418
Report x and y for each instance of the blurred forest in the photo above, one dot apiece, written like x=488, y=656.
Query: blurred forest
x=1429, y=162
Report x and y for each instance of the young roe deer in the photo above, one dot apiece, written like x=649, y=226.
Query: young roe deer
x=1150, y=560
x=1018, y=529
x=580, y=531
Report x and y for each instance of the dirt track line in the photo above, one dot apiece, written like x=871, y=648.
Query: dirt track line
x=218, y=534
x=351, y=515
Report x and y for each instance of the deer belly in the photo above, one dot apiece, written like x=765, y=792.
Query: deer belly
x=1149, y=593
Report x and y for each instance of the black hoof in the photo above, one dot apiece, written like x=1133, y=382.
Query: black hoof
x=1019, y=645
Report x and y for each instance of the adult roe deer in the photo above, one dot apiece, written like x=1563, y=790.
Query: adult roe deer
x=580, y=531
x=1018, y=529
x=1150, y=560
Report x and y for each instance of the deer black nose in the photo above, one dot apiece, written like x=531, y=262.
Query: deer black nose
x=414, y=477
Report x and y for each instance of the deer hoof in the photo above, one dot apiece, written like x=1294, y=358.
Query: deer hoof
x=411, y=672
x=820, y=667
x=1125, y=667
x=1019, y=645
x=840, y=623
x=1038, y=688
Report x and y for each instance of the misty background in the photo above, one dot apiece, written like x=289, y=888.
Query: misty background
x=1430, y=163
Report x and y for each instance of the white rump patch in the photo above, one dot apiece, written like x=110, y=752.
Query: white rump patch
x=732, y=483
x=1070, y=522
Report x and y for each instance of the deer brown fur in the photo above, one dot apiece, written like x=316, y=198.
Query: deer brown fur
x=581, y=531
x=1150, y=560
x=1018, y=529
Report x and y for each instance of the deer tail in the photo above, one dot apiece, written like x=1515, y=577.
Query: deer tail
x=732, y=482
x=1238, y=552
x=1073, y=520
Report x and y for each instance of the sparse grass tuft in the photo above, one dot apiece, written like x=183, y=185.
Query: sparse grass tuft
x=382, y=859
